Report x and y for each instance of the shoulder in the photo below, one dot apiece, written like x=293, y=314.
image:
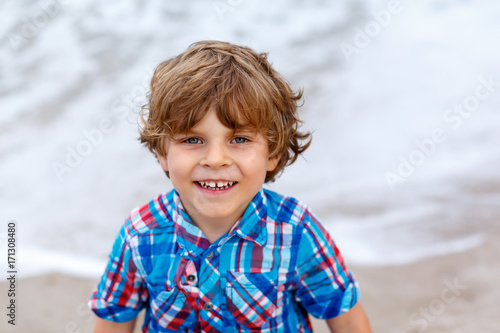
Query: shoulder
x=151, y=217
x=286, y=209
x=148, y=232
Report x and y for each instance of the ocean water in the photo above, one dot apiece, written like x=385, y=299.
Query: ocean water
x=402, y=97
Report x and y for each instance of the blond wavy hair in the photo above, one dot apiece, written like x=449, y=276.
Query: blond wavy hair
x=235, y=81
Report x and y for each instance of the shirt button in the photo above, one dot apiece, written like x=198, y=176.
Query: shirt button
x=208, y=306
x=210, y=255
x=191, y=278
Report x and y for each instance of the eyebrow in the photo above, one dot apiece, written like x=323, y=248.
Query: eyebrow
x=248, y=130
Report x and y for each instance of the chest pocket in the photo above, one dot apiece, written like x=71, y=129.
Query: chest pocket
x=172, y=310
x=251, y=298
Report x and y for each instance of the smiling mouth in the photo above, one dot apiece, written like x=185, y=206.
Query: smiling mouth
x=216, y=185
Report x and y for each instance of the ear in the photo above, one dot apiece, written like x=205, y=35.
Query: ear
x=272, y=162
x=163, y=161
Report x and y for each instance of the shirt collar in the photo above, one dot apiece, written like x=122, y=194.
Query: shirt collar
x=251, y=226
x=190, y=237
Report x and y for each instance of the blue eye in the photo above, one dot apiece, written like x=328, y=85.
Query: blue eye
x=240, y=140
x=192, y=140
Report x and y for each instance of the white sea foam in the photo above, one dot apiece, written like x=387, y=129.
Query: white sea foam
x=92, y=60
x=34, y=261
x=364, y=248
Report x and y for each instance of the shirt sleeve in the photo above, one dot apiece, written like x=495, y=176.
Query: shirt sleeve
x=122, y=291
x=325, y=288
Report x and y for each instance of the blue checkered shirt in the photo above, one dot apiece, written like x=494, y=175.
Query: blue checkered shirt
x=275, y=266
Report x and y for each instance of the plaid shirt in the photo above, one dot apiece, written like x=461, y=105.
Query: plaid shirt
x=275, y=265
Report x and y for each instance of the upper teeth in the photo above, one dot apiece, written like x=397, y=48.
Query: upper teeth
x=218, y=185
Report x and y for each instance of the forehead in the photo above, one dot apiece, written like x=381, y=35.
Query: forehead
x=213, y=127
x=232, y=119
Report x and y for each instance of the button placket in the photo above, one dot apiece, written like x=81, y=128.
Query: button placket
x=191, y=274
x=208, y=306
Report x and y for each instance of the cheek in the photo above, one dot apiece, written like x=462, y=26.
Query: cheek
x=178, y=166
x=257, y=165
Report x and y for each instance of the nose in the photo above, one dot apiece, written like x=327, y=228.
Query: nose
x=216, y=155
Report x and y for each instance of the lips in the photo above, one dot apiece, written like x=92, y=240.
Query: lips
x=216, y=185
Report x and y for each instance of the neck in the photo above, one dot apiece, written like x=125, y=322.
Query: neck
x=214, y=234
x=214, y=230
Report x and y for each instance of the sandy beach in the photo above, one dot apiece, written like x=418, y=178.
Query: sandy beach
x=452, y=293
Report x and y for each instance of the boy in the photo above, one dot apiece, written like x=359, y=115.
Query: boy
x=219, y=253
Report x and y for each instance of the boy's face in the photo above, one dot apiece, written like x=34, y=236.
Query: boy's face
x=216, y=171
